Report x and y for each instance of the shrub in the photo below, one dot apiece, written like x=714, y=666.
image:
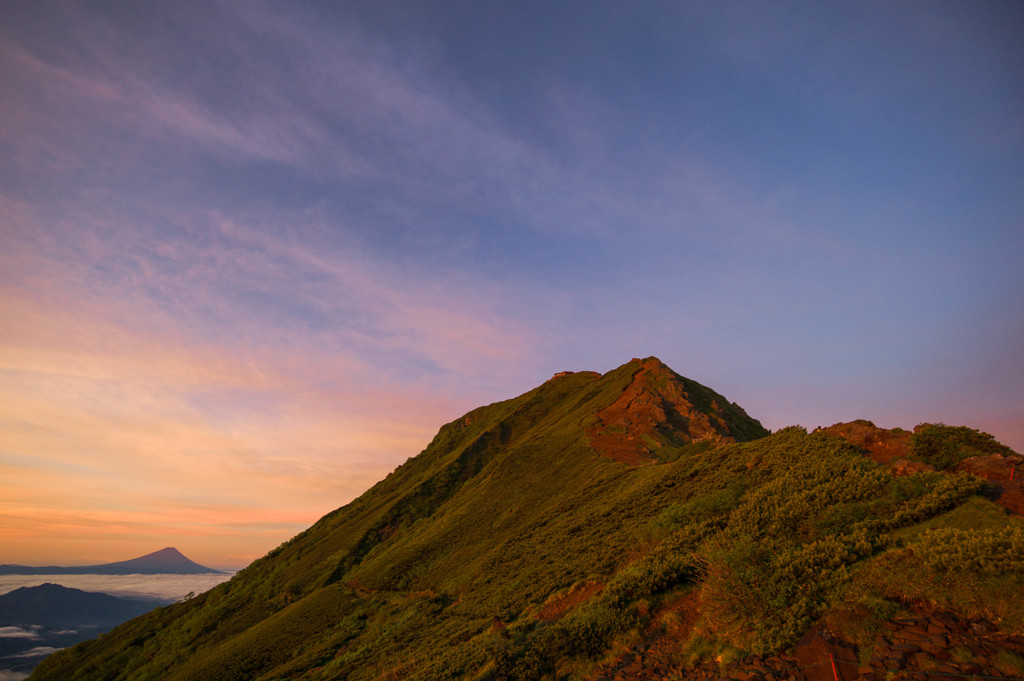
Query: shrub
x=945, y=446
x=969, y=571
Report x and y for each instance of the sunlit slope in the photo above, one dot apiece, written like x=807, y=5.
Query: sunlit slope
x=534, y=535
x=451, y=520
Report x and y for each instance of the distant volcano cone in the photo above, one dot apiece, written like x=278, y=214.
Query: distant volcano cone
x=165, y=561
x=168, y=561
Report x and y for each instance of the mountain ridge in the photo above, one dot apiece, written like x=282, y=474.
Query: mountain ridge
x=591, y=516
x=53, y=605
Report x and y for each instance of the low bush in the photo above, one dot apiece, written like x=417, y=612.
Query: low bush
x=945, y=446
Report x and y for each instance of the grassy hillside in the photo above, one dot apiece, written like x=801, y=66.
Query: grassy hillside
x=520, y=544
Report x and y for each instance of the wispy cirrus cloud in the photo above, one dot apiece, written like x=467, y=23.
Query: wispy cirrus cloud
x=159, y=386
x=339, y=109
x=102, y=87
x=38, y=651
x=263, y=256
x=112, y=405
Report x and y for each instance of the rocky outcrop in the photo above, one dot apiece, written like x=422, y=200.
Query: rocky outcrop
x=1003, y=474
x=660, y=408
x=881, y=444
x=892, y=447
x=996, y=468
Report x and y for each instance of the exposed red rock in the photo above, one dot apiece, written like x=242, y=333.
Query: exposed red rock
x=820, y=646
x=892, y=448
x=994, y=467
x=881, y=444
x=654, y=410
x=1002, y=472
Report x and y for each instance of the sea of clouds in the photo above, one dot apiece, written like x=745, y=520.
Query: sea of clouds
x=166, y=587
x=6, y=675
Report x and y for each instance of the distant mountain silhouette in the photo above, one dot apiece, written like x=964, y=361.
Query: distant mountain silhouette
x=52, y=605
x=165, y=561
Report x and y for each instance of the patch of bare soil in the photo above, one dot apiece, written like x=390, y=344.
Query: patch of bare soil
x=559, y=606
x=358, y=589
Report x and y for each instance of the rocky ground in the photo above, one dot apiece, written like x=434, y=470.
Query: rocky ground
x=927, y=645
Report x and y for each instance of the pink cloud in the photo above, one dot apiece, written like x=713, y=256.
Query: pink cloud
x=127, y=427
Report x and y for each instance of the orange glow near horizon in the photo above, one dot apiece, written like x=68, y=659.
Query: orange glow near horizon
x=121, y=439
x=232, y=299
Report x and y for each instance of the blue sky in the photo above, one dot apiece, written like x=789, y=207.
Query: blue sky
x=278, y=244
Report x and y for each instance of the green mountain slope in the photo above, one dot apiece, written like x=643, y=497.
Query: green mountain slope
x=538, y=536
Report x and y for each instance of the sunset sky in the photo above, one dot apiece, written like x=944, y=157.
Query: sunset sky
x=253, y=255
